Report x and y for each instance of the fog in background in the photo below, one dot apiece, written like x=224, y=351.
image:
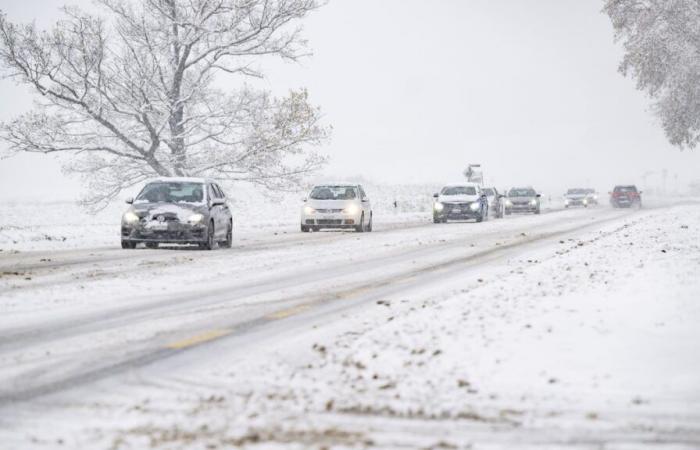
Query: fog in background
x=416, y=90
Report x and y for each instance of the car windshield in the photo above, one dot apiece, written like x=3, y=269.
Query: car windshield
x=172, y=192
x=625, y=189
x=334, y=193
x=489, y=192
x=577, y=191
x=459, y=190
x=521, y=192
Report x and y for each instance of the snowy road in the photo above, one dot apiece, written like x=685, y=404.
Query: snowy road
x=77, y=323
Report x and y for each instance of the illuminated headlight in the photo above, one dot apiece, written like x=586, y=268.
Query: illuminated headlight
x=475, y=206
x=533, y=202
x=509, y=203
x=566, y=201
x=309, y=210
x=585, y=201
x=130, y=217
x=352, y=209
x=195, y=218
x=439, y=206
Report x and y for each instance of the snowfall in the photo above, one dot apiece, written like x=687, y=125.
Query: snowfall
x=572, y=329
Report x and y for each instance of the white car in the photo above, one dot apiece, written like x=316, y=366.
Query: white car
x=460, y=202
x=337, y=205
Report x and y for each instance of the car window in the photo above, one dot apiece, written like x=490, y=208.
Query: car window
x=625, y=189
x=333, y=193
x=220, y=191
x=521, y=192
x=459, y=190
x=576, y=191
x=171, y=192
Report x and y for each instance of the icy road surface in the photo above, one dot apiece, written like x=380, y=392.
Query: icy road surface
x=575, y=329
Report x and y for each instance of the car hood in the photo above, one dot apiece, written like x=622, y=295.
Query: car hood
x=182, y=211
x=457, y=198
x=331, y=204
x=522, y=199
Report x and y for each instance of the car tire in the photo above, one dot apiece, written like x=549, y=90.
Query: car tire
x=152, y=245
x=537, y=211
x=228, y=243
x=361, y=227
x=210, y=243
x=305, y=229
x=369, y=225
x=128, y=245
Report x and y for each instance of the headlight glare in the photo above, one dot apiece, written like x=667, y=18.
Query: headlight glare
x=309, y=210
x=475, y=206
x=439, y=206
x=509, y=203
x=352, y=209
x=533, y=202
x=130, y=217
x=195, y=218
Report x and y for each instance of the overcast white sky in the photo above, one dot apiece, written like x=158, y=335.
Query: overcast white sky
x=416, y=89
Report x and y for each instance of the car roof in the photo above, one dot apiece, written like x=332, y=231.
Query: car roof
x=522, y=187
x=463, y=184
x=181, y=180
x=337, y=183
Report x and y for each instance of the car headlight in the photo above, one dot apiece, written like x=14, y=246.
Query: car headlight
x=533, y=202
x=131, y=217
x=195, y=218
x=439, y=206
x=566, y=201
x=475, y=206
x=585, y=201
x=509, y=203
x=352, y=209
x=309, y=210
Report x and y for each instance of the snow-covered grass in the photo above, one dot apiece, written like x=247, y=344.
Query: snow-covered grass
x=589, y=341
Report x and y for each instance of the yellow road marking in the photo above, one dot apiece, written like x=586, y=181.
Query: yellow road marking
x=198, y=339
x=288, y=312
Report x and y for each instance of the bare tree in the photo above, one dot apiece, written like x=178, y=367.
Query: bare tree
x=134, y=94
x=661, y=39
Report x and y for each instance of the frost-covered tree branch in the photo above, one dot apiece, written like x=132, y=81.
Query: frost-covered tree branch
x=661, y=39
x=133, y=94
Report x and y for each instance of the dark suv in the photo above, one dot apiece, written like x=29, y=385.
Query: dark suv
x=178, y=211
x=626, y=196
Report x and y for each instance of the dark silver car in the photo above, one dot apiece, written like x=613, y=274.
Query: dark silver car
x=178, y=211
x=523, y=199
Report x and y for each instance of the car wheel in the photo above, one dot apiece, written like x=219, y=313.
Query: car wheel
x=361, y=227
x=210, y=243
x=305, y=229
x=152, y=245
x=128, y=245
x=369, y=225
x=228, y=243
x=480, y=218
x=537, y=211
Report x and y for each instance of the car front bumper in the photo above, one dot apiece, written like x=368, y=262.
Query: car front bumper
x=522, y=208
x=334, y=220
x=173, y=233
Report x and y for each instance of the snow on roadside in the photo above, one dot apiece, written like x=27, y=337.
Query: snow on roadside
x=592, y=336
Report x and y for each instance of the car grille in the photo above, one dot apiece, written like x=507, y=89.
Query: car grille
x=329, y=211
x=329, y=222
x=167, y=217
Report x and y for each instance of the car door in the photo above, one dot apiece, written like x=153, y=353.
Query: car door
x=214, y=209
x=366, y=205
x=226, y=215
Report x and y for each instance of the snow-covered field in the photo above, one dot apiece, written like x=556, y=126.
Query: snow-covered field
x=573, y=329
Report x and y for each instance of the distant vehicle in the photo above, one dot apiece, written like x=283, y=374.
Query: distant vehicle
x=576, y=197
x=592, y=198
x=337, y=205
x=495, y=201
x=523, y=199
x=460, y=202
x=626, y=196
x=178, y=211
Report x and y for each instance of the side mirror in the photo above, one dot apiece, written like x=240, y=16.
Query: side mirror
x=217, y=202
x=365, y=199
x=129, y=201
x=538, y=195
x=305, y=199
x=436, y=195
x=640, y=192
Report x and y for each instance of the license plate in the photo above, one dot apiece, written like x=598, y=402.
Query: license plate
x=456, y=211
x=157, y=226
